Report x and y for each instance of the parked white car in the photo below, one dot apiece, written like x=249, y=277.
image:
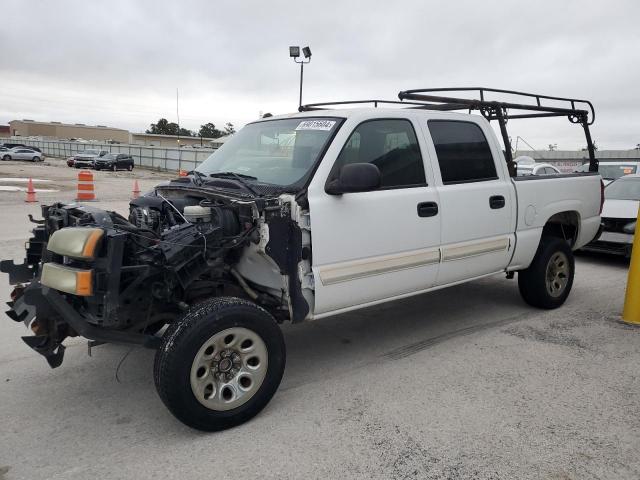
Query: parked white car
x=301, y=217
x=528, y=166
x=22, y=153
x=619, y=216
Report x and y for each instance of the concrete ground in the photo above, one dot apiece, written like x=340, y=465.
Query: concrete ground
x=463, y=383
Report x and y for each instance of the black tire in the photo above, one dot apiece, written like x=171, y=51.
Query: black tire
x=184, y=340
x=6, y=158
x=36, y=159
x=544, y=284
x=130, y=167
x=114, y=168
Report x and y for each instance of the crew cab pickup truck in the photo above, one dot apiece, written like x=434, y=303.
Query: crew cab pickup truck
x=300, y=217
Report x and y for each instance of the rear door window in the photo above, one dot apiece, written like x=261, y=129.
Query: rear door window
x=463, y=152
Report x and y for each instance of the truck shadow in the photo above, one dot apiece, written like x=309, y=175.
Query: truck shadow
x=86, y=390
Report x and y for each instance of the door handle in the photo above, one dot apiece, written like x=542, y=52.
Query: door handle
x=496, y=201
x=427, y=209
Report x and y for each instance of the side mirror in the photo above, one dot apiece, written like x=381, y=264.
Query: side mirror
x=355, y=177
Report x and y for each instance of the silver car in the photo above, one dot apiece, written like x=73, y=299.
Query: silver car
x=619, y=216
x=22, y=153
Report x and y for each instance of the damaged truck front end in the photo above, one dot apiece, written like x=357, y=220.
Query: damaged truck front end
x=99, y=275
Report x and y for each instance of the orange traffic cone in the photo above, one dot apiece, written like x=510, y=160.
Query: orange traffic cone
x=31, y=193
x=182, y=173
x=86, y=192
x=136, y=190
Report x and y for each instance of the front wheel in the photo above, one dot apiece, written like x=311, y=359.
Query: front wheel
x=6, y=157
x=130, y=167
x=36, y=159
x=220, y=364
x=548, y=280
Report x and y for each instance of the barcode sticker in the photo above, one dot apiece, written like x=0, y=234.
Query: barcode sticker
x=316, y=125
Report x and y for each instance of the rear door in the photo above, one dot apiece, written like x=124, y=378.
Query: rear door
x=371, y=246
x=476, y=200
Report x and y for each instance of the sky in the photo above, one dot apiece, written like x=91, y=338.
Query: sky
x=119, y=63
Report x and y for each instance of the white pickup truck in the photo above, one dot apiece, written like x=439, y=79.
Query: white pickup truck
x=300, y=217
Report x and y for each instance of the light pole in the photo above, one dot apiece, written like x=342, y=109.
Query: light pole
x=294, y=52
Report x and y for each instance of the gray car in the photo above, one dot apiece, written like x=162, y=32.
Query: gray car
x=22, y=153
x=87, y=158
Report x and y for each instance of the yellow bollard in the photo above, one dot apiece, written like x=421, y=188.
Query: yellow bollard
x=631, y=312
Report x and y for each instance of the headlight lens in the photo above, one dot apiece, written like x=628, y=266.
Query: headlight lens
x=67, y=279
x=76, y=242
x=630, y=228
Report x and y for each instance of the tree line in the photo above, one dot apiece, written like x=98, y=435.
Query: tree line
x=208, y=130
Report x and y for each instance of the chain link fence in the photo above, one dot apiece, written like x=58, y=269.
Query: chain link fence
x=156, y=158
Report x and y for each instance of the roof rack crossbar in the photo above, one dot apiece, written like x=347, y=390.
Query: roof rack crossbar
x=323, y=105
x=427, y=95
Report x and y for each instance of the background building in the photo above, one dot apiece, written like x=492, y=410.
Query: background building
x=101, y=133
x=58, y=130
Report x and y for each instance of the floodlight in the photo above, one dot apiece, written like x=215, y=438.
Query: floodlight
x=294, y=52
x=307, y=52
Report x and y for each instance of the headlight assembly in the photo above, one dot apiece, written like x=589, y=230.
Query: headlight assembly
x=76, y=242
x=67, y=279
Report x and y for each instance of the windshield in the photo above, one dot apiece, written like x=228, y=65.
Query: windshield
x=612, y=172
x=109, y=156
x=279, y=152
x=525, y=171
x=90, y=152
x=625, y=189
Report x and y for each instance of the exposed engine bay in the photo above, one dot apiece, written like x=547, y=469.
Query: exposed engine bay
x=181, y=244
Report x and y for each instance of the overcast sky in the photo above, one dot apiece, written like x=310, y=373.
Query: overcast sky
x=118, y=63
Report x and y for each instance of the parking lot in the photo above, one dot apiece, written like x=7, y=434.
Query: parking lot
x=467, y=382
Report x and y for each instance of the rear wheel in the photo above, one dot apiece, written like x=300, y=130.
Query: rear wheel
x=548, y=280
x=130, y=167
x=114, y=168
x=220, y=364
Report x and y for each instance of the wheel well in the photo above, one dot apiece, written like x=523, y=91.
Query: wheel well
x=563, y=225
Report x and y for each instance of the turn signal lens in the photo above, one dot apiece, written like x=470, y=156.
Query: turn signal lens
x=67, y=279
x=91, y=243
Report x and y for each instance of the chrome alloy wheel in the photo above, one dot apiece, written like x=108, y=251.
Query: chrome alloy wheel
x=557, y=275
x=229, y=368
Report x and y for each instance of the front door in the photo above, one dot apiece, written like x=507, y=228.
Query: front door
x=370, y=246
